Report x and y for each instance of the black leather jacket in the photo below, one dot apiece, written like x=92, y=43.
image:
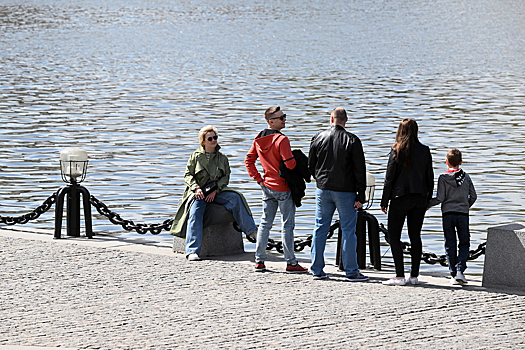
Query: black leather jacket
x=296, y=177
x=337, y=161
x=416, y=179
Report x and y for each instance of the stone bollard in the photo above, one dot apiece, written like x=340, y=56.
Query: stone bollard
x=505, y=257
x=218, y=237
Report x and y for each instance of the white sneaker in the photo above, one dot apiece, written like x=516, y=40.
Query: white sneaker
x=395, y=282
x=412, y=280
x=460, y=277
x=193, y=257
x=453, y=281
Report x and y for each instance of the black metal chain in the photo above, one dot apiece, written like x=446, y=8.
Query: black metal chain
x=24, y=219
x=299, y=244
x=432, y=258
x=129, y=225
x=155, y=229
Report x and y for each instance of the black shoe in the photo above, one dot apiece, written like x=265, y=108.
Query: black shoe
x=320, y=276
x=358, y=277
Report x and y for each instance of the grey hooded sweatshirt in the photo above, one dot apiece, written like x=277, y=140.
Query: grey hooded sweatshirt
x=455, y=192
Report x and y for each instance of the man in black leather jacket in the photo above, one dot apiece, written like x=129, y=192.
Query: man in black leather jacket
x=337, y=162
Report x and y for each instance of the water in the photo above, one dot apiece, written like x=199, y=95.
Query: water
x=132, y=82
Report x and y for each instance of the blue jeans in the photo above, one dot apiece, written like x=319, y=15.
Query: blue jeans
x=326, y=202
x=271, y=201
x=452, y=224
x=231, y=201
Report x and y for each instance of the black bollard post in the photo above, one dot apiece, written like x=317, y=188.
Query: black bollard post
x=59, y=210
x=373, y=240
x=73, y=165
x=73, y=211
x=86, y=196
x=364, y=219
x=73, y=192
x=360, y=231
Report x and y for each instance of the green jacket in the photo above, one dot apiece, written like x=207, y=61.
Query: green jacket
x=198, y=171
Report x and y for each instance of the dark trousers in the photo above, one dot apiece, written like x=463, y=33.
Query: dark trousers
x=452, y=224
x=413, y=208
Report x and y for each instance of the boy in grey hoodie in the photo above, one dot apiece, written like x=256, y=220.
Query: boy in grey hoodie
x=456, y=194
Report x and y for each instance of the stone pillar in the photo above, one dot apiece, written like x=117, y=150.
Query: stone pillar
x=505, y=257
x=217, y=240
x=218, y=237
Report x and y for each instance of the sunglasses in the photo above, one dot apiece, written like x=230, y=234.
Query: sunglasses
x=283, y=117
x=213, y=138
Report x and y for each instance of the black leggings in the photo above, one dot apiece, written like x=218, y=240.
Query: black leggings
x=413, y=208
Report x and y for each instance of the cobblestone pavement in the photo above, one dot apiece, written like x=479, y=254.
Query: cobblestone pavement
x=100, y=294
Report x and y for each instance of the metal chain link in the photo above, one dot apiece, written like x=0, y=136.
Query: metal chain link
x=432, y=258
x=299, y=244
x=129, y=225
x=155, y=229
x=24, y=219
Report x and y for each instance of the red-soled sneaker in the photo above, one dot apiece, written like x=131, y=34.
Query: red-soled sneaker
x=259, y=266
x=295, y=268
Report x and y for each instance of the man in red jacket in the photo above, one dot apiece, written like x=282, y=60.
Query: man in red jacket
x=270, y=146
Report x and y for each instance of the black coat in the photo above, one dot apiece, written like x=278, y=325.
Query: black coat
x=337, y=161
x=416, y=179
x=296, y=177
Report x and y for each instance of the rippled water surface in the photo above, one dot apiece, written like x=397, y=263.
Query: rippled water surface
x=132, y=82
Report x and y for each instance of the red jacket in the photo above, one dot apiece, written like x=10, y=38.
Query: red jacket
x=271, y=149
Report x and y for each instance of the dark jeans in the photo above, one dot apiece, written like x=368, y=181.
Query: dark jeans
x=413, y=208
x=452, y=224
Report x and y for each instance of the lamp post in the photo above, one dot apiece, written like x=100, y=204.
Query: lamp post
x=73, y=166
x=369, y=193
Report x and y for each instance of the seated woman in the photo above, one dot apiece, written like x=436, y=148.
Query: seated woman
x=206, y=164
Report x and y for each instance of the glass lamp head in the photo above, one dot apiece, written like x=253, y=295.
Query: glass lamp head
x=369, y=192
x=73, y=165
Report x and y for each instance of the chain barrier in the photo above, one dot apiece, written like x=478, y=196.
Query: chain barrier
x=432, y=258
x=155, y=229
x=24, y=219
x=299, y=244
x=129, y=225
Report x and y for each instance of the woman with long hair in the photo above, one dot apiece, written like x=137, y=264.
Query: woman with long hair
x=409, y=184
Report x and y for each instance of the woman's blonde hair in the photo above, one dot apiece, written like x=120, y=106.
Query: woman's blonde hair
x=204, y=131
